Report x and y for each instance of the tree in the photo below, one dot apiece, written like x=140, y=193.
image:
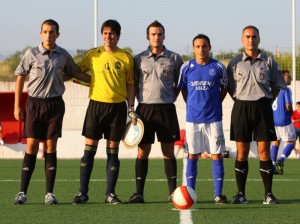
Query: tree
x=186, y=57
x=9, y=65
x=129, y=50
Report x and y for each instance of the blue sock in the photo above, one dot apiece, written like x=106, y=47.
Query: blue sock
x=274, y=153
x=191, y=172
x=218, y=174
x=286, y=152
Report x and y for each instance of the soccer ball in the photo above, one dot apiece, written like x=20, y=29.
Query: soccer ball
x=184, y=197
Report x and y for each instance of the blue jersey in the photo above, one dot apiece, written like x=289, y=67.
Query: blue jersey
x=203, y=84
x=282, y=116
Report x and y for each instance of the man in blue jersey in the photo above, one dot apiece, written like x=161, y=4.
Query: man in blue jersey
x=282, y=112
x=203, y=83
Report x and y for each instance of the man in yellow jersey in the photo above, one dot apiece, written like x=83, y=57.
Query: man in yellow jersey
x=112, y=83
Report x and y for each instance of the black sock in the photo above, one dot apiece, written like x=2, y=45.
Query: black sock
x=241, y=173
x=112, y=171
x=171, y=173
x=266, y=172
x=141, y=170
x=86, y=167
x=27, y=170
x=50, y=170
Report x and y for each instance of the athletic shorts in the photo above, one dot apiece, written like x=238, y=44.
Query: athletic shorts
x=252, y=120
x=160, y=119
x=205, y=137
x=43, y=118
x=105, y=118
x=285, y=133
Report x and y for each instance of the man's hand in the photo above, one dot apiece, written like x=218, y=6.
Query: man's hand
x=133, y=116
x=18, y=114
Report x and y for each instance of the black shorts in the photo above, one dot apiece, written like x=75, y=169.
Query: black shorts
x=252, y=120
x=43, y=118
x=297, y=130
x=105, y=118
x=159, y=118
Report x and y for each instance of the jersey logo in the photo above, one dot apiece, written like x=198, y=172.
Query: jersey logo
x=192, y=65
x=212, y=71
x=165, y=73
x=118, y=65
x=220, y=141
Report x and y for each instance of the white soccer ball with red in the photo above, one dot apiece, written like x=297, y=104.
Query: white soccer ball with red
x=184, y=197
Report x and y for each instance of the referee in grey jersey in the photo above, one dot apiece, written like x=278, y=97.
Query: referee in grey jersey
x=254, y=80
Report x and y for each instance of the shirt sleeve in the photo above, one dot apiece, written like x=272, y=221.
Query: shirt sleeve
x=182, y=82
x=230, y=76
x=25, y=64
x=288, y=96
x=277, y=80
x=85, y=64
x=70, y=68
x=223, y=75
x=178, y=64
x=130, y=71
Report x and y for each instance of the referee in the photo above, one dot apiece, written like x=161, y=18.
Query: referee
x=254, y=80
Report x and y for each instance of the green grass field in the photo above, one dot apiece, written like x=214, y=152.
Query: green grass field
x=156, y=210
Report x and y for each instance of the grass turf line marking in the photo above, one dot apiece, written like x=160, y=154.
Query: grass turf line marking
x=151, y=180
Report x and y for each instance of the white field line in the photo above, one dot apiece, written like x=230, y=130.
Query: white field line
x=185, y=215
x=151, y=180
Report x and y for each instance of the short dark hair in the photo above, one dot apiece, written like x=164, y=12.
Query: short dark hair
x=51, y=22
x=201, y=36
x=298, y=103
x=251, y=27
x=113, y=24
x=155, y=24
x=285, y=71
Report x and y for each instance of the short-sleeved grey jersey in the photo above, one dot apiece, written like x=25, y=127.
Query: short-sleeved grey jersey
x=157, y=76
x=254, y=79
x=46, y=70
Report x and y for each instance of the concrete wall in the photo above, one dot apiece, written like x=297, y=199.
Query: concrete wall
x=71, y=145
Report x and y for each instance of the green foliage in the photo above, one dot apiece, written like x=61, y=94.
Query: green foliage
x=187, y=57
x=226, y=55
x=285, y=61
x=129, y=50
x=9, y=65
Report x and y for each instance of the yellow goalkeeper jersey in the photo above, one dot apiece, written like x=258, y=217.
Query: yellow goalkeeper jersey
x=110, y=72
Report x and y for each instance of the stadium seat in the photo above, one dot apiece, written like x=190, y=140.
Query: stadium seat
x=181, y=142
